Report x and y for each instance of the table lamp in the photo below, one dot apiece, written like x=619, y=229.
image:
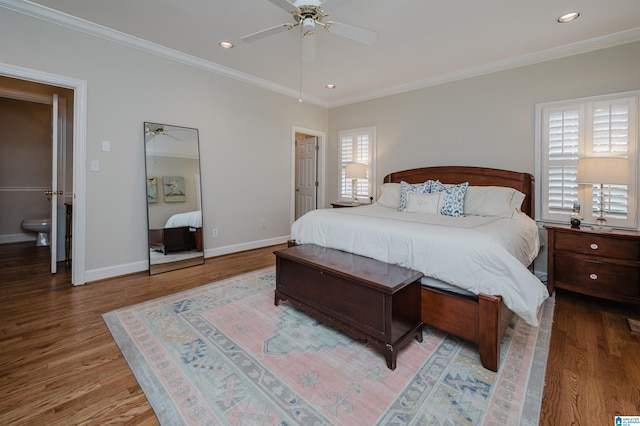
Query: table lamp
x=603, y=171
x=354, y=172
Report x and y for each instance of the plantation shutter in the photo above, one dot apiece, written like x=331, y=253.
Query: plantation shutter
x=357, y=146
x=563, y=149
x=604, y=126
x=611, y=136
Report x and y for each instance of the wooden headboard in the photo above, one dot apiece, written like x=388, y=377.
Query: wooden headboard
x=476, y=176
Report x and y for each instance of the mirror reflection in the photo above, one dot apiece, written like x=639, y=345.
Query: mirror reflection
x=174, y=205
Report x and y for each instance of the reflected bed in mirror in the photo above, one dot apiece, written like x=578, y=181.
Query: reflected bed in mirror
x=174, y=204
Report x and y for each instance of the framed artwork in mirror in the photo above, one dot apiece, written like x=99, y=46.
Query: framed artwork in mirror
x=174, y=189
x=152, y=189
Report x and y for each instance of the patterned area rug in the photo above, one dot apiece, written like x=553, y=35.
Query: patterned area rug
x=225, y=354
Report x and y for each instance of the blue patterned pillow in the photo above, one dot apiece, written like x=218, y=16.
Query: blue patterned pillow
x=437, y=186
x=453, y=200
x=420, y=188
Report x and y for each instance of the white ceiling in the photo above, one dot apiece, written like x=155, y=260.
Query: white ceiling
x=420, y=42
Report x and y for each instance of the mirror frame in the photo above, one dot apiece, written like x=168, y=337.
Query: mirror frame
x=174, y=225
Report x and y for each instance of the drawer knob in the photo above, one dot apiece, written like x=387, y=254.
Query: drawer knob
x=593, y=276
x=594, y=246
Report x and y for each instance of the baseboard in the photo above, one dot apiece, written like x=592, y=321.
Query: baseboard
x=17, y=238
x=116, y=271
x=134, y=267
x=219, y=251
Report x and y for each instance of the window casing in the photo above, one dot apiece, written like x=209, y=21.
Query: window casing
x=357, y=146
x=587, y=127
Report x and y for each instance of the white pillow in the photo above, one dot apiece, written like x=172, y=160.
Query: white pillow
x=492, y=201
x=405, y=188
x=390, y=196
x=424, y=203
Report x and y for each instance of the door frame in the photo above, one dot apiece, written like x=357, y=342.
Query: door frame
x=79, y=87
x=320, y=166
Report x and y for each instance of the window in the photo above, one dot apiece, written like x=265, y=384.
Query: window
x=590, y=127
x=357, y=146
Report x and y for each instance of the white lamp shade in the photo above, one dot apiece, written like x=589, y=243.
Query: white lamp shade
x=603, y=170
x=356, y=171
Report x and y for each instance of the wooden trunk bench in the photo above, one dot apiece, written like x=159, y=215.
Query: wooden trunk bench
x=363, y=297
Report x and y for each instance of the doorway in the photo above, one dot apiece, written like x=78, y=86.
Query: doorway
x=78, y=118
x=36, y=149
x=308, y=179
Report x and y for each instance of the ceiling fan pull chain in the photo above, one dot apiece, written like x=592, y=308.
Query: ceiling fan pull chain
x=300, y=64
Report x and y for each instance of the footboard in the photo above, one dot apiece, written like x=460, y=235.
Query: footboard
x=171, y=239
x=482, y=320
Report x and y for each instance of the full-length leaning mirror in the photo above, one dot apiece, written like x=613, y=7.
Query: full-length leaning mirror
x=174, y=205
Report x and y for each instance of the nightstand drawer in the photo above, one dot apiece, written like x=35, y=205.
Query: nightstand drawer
x=596, y=278
x=598, y=245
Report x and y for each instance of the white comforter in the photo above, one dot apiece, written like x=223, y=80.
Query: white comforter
x=479, y=254
x=193, y=219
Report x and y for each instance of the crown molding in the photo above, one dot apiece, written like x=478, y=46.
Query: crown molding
x=77, y=24
x=59, y=18
x=585, y=46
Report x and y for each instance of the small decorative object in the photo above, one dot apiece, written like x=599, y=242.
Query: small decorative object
x=174, y=189
x=152, y=190
x=575, y=216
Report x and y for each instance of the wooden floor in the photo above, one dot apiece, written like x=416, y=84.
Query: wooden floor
x=60, y=366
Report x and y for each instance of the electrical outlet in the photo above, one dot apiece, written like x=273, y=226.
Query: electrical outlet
x=214, y=232
x=263, y=223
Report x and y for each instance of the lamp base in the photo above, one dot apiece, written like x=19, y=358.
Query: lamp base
x=599, y=228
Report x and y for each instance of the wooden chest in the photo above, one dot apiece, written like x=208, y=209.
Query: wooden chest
x=363, y=297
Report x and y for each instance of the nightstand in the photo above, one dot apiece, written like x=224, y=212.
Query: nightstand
x=600, y=264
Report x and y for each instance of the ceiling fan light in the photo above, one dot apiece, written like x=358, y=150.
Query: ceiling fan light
x=568, y=17
x=308, y=24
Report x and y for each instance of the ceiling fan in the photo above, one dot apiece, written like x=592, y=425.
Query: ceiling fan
x=154, y=130
x=308, y=15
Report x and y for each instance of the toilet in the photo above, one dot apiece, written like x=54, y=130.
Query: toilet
x=41, y=226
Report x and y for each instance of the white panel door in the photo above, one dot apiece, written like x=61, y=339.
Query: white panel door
x=53, y=235
x=306, y=175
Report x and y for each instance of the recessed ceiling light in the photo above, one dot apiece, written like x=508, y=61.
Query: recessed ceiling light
x=226, y=45
x=568, y=17
x=330, y=86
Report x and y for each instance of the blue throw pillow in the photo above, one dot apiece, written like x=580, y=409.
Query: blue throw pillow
x=453, y=200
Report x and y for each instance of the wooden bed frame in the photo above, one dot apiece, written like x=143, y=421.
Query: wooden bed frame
x=483, y=319
x=168, y=240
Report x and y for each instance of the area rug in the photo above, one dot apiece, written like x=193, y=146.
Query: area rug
x=634, y=325
x=224, y=354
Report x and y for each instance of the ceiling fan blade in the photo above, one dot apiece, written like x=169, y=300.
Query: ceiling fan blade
x=267, y=32
x=309, y=47
x=284, y=4
x=349, y=31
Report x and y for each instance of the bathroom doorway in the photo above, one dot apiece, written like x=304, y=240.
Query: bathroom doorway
x=37, y=177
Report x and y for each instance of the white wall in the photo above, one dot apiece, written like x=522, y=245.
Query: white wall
x=245, y=132
x=245, y=137
x=484, y=121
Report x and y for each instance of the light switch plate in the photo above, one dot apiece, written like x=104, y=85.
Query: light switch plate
x=106, y=146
